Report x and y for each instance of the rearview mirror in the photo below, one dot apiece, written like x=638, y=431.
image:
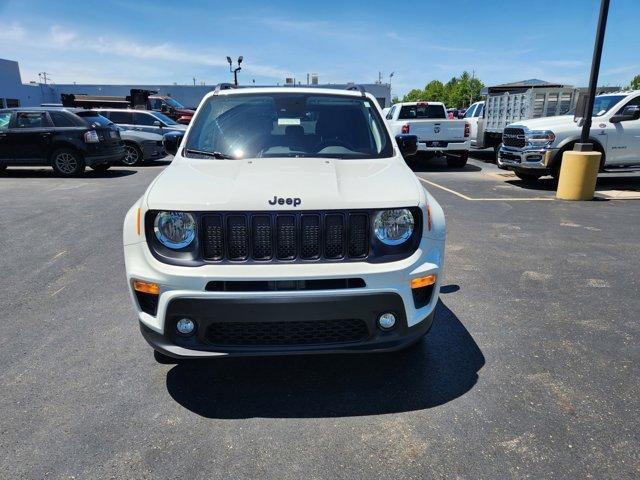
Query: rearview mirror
x=632, y=112
x=408, y=144
x=171, y=142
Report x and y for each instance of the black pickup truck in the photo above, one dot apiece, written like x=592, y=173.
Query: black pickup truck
x=66, y=139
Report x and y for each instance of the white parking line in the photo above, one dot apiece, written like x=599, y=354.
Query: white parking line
x=505, y=199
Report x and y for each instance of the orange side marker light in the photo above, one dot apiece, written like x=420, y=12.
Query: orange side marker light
x=146, y=287
x=423, y=281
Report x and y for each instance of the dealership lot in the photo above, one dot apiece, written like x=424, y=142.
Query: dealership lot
x=530, y=369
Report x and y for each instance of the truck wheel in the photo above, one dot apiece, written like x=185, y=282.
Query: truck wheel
x=101, y=168
x=132, y=155
x=496, y=152
x=528, y=177
x=458, y=161
x=67, y=162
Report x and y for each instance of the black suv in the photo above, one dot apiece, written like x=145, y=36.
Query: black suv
x=66, y=139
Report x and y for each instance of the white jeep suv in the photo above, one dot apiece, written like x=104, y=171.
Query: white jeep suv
x=288, y=222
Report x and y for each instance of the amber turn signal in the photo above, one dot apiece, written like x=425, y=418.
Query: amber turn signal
x=146, y=287
x=423, y=281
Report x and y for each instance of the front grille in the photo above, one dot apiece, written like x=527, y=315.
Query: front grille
x=287, y=333
x=513, y=137
x=285, y=237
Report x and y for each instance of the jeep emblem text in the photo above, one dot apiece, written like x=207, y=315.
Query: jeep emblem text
x=282, y=201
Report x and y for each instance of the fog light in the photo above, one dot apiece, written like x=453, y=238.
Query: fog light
x=387, y=321
x=185, y=326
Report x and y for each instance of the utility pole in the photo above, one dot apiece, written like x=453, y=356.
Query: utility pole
x=584, y=144
x=43, y=75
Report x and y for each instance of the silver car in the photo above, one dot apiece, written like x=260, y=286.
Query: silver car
x=142, y=120
x=140, y=147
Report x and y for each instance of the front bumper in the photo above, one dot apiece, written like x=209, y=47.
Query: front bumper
x=152, y=150
x=443, y=145
x=527, y=159
x=387, y=288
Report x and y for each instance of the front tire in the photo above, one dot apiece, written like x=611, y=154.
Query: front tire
x=528, y=177
x=132, y=155
x=496, y=153
x=458, y=161
x=67, y=163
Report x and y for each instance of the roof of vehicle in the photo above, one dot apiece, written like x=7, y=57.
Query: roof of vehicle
x=286, y=89
x=416, y=103
x=618, y=93
x=45, y=109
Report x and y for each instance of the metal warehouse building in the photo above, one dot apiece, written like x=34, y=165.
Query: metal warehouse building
x=14, y=93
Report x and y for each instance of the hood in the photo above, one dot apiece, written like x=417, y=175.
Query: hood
x=318, y=183
x=548, y=123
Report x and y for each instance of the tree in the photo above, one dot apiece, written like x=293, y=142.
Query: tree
x=635, y=83
x=457, y=92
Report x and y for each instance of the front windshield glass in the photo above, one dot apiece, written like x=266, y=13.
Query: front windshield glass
x=603, y=104
x=172, y=102
x=163, y=118
x=288, y=125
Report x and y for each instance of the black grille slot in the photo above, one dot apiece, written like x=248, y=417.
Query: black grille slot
x=280, y=285
x=358, y=235
x=213, y=237
x=238, y=237
x=334, y=236
x=513, y=137
x=287, y=238
x=262, y=237
x=310, y=237
x=287, y=333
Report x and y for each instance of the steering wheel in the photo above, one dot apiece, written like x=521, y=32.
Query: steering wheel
x=334, y=142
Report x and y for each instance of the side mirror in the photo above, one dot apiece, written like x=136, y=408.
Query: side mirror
x=157, y=123
x=632, y=112
x=408, y=144
x=171, y=142
x=163, y=107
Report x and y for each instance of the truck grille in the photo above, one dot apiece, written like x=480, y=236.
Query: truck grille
x=282, y=237
x=513, y=137
x=287, y=333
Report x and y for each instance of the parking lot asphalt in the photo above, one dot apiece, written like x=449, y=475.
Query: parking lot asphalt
x=530, y=371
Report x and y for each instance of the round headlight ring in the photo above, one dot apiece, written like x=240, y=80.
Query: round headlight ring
x=393, y=227
x=175, y=230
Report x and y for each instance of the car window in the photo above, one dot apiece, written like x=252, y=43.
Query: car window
x=155, y=103
x=163, y=118
x=61, y=119
x=390, y=113
x=144, y=119
x=421, y=110
x=5, y=117
x=630, y=103
x=94, y=118
x=123, y=118
x=293, y=125
x=31, y=120
x=479, y=110
x=470, y=111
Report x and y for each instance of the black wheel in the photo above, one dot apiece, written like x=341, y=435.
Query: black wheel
x=457, y=161
x=164, y=359
x=528, y=177
x=101, y=168
x=132, y=155
x=67, y=162
x=496, y=152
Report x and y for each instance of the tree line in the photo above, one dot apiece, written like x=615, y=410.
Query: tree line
x=459, y=92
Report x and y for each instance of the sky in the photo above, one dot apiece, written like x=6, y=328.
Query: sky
x=162, y=42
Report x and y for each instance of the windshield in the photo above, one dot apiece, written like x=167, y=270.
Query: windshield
x=288, y=125
x=172, y=102
x=603, y=104
x=163, y=118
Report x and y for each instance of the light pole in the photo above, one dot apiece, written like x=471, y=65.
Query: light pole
x=584, y=144
x=236, y=70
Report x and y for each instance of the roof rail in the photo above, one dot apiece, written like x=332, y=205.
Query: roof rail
x=353, y=86
x=224, y=86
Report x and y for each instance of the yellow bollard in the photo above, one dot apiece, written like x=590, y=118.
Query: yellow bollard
x=578, y=175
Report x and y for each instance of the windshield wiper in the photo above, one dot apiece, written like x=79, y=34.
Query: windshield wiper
x=204, y=153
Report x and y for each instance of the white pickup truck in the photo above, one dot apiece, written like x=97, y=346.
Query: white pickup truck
x=534, y=148
x=436, y=133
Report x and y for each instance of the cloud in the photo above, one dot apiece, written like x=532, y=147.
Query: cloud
x=12, y=33
x=61, y=36
x=619, y=70
x=564, y=63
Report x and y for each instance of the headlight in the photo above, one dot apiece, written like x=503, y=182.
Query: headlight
x=175, y=230
x=540, y=137
x=393, y=227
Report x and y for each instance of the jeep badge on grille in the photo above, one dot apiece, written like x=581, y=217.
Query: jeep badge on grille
x=282, y=201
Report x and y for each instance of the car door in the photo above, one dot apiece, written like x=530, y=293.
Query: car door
x=122, y=118
x=623, y=142
x=144, y=122
x=6, y=154
x=30, y=137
